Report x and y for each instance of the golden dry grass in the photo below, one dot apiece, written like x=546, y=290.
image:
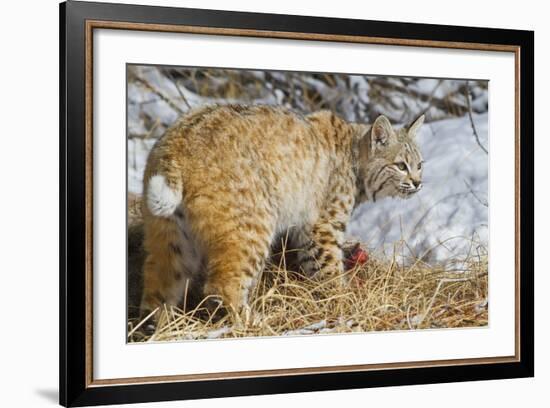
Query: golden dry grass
x=379, y=295
x=382, y=294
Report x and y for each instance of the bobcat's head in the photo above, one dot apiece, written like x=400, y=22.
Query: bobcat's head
x=390, y=161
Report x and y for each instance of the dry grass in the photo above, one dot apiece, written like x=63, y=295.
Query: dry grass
x=379, y=295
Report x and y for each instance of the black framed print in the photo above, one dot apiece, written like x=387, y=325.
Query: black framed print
x=257, y=203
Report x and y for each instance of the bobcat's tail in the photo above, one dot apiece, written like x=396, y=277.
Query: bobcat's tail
x=163, y=195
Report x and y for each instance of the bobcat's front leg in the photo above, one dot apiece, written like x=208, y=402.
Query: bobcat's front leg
x=322, y=243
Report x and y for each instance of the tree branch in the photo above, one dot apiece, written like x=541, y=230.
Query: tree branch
x=470, y=115
x=159, y=93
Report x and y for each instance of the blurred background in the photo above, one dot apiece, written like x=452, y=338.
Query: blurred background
x=445, y=224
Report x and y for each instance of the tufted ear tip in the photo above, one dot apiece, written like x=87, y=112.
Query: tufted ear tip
x=413, y=129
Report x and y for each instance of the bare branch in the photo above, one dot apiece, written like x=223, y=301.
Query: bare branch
x=482, y=202
x=441, y=103
x=428, y=102
x=159, y=93
x=177, y=85
x=470, y=115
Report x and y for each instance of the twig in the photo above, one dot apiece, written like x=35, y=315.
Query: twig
x=428, y=102
x=482, y=202
x=428, y=308
x=440, y=103
x=159, y=93
x=470, y=115
x=177, y=85
x=141, y=323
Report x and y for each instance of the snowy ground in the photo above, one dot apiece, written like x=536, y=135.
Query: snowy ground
x=446, y=220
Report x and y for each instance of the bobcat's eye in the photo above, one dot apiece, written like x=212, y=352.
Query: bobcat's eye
x=401, y=166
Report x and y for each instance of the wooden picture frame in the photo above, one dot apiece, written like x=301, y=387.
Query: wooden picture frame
x=78, y=20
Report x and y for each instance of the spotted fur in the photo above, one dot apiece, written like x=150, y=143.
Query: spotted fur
x=225, y=182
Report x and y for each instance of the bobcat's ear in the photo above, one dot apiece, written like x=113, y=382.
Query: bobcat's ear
x=413, y=129
x=381, y=132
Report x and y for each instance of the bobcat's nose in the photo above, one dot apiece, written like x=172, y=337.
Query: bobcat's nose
x=416, y=183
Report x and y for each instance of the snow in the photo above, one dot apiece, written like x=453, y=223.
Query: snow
x=443, y=224
x=311, y=329
x=138, y=150
x=321, y=327
x=216, y=334
x=447, y=220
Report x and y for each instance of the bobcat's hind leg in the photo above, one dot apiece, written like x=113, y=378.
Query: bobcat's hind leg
x=234, y=266
x=171, y=266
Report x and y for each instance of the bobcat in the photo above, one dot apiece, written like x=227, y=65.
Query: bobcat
x=225, y=181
